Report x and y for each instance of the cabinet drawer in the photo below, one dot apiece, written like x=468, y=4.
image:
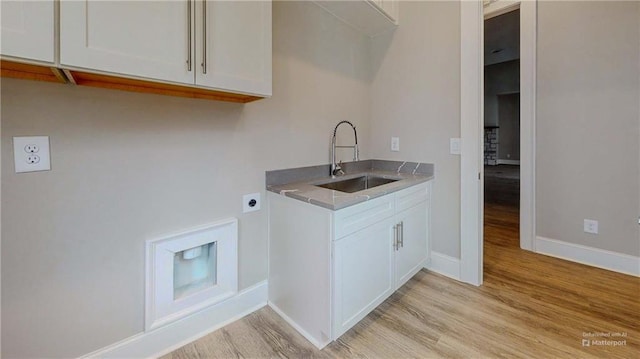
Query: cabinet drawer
x=411, y=196
x=355, y=218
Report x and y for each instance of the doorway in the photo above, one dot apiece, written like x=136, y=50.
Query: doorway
x=501, y=134
x=472, y=15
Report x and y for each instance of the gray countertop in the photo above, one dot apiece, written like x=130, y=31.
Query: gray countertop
x=300, y=183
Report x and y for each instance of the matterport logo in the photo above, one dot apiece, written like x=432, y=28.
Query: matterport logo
x=616, y=339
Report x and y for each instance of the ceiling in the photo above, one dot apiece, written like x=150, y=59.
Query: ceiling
x=502, y=38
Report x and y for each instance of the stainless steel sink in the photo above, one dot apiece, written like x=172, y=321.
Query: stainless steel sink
x=357, y=184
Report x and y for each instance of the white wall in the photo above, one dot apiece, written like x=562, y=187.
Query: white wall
x=588, y=119
x=416, y=96
x=128, y=167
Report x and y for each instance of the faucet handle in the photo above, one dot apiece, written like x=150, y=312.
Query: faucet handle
x=338, y=169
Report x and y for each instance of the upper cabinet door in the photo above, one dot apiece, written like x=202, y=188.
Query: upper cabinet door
x=151, y=39
x=234, y=46
x=27, y=29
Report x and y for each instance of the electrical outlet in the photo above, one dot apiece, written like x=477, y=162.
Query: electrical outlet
x=454, y=146
x=395, y=144
x=250, y=202
x=31, y=148
x=31, y=154
x=591, y=226
x=33, y=159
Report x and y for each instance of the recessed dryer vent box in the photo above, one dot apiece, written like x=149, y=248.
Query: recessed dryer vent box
x=188, y=271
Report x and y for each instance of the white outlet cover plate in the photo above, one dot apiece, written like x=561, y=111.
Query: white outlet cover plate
x=591, y=226
x=246, y=200
x=31, y=154
x=454, y=146
x=395, y=144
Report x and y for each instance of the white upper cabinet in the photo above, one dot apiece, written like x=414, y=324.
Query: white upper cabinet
x=234, y=45
x=371, y=17
x=218, y=45
x=138, y=38
x=27, y=29
x=390, y=8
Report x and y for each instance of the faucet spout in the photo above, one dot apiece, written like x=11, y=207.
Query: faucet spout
x=335, y=168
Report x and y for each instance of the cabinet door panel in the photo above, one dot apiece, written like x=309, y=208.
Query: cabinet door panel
x=139, y=38
x=413, y=252
x=234, y=43
x=363, y=274
x=27, y=30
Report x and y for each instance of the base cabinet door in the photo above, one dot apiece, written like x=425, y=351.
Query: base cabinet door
x=27, y=29
x=412, y=242
x=363, y=273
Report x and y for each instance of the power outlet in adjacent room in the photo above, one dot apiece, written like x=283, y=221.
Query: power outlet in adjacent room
x=250, y=202
x=454, y=146
x=395, y=144
x=591, y=226
x=31, y=154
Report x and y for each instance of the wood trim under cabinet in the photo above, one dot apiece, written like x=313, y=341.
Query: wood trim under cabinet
x=27, y=71
x=133, y=85
x=30, y=72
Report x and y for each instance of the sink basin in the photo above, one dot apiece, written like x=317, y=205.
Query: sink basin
x=357, y=184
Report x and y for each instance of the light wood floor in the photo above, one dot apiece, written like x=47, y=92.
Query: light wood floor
x=529, y=306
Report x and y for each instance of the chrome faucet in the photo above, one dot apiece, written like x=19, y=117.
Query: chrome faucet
x=335, y=168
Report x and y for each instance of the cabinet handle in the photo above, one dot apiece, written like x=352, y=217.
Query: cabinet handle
x=204, y=37
x=189, y=36
x=401, y=234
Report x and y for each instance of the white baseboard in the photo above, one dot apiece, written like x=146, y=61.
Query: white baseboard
x=446, y=265
x=595, y=257
x=295, y=325
x=509, y=162
x=163, y=340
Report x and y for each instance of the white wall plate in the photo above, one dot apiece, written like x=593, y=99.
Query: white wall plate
x=31, y=154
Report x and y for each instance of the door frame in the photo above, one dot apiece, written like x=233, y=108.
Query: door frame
x=472, y=17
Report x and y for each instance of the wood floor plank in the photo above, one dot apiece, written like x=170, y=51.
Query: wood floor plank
x=530, y=305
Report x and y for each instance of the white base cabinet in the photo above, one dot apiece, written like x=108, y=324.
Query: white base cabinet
x=411, y=251
x=329, y=269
